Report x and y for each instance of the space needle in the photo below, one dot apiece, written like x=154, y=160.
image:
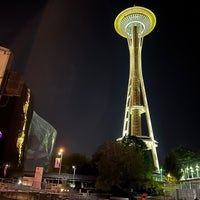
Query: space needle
x=133, y=24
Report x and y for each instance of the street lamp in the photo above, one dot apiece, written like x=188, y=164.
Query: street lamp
x=5, y=170
x=197, y=169
x=187, y=172
x=74, y=168
x=161, y=174
x=60, y=166
x=192, y=172
x=168, y=177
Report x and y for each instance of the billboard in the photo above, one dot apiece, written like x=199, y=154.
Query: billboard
x=40, y=144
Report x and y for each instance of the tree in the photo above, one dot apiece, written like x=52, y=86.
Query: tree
x=121, y=167
x=186, y=155
x=179, y=158
x=172, y=166
x=139, y=145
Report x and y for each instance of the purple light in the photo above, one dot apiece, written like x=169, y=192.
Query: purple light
x=1, y=134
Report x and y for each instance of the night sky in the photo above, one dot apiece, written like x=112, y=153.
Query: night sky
x=77, y=68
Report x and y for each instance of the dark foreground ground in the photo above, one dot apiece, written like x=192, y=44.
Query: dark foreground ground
x=48, y=196
x=3, y=198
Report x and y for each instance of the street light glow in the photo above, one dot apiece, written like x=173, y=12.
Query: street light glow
x=60, y=166
x=60, y=152
x=74, y=168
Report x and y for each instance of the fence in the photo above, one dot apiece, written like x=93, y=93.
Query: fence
x=10, y=189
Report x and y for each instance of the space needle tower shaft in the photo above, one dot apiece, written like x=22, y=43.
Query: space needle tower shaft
x=133, y=24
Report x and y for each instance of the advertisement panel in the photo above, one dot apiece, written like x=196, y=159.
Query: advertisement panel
x=38, y=178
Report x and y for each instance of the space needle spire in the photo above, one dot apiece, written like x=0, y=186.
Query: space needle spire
x=133, y=24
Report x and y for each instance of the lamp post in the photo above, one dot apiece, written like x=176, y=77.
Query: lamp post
x=74, y=168
x=60, y=166
x=161, y=174
x=187, y=172
x=5, y=170
x=168, y=177
x=192, y=172
x=197, y=169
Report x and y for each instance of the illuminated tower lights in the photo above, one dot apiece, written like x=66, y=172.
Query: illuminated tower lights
x=133, y=24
